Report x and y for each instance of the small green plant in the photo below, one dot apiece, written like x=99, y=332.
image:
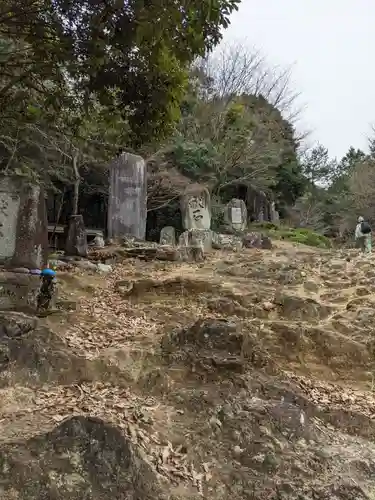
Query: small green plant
x=298, y=235
x=305, y=236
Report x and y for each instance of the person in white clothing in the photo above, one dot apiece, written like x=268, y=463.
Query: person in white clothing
x=363, y=235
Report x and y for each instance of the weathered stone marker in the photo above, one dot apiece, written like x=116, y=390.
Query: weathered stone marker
x=168, y=236
x=191, y=245
x=127, y=205
x=23, y=242
x=235, y=215
x=23, y=225
x=76, y=239
x=258, y=204
x=275, y=216
x=98, y=242
x=18, y=292
x=196, y=208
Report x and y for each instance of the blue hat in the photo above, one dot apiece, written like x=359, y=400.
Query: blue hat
x=48, y=272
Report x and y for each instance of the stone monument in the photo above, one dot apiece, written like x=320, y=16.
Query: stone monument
x=197, y=237
x=127, y=205
x=23, y=225
x=168, y=236
x=258, y=205
x=76, y=238
x=196, y=208
x=23, y=243
x=275, y=217
x=191, y=245
x=98, y=242
x=18, y=291
x=235, y=215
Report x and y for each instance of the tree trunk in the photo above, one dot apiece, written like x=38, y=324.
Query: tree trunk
x=77, y=181
x=76, y=238
x=58, y=216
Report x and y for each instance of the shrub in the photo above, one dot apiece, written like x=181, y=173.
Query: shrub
x=305, y=236
x=217, y=218
x=298, y=235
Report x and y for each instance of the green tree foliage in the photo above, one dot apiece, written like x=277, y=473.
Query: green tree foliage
x=290, y=182
x=79, y=79
x=235, y=139
x=318, y=167
x=339, y=201
x=338, y=191
x=344, y=168
x=94, y=46
x=349, y=160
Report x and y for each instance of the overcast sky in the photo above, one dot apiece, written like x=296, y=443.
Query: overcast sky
x=331, y=44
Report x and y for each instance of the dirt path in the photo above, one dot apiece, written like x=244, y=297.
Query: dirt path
x=270, y=395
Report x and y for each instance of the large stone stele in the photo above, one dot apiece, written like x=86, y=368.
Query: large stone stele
x=235, y=215
x=195, y=207
x=127, y=203
x=23, y=225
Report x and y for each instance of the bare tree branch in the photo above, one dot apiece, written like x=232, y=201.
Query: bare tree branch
x=237, y=69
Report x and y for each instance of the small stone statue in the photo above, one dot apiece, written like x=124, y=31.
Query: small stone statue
x=47, y=290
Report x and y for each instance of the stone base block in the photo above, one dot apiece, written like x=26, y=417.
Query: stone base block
x=18, y=292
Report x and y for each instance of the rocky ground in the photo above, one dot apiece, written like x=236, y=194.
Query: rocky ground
x=248, y=376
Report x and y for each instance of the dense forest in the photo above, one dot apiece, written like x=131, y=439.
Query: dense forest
x=81, y=80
